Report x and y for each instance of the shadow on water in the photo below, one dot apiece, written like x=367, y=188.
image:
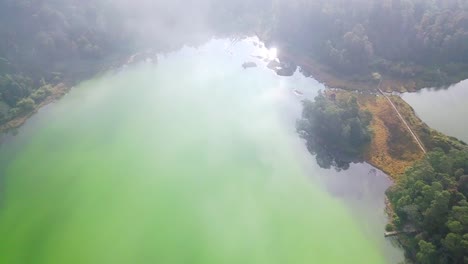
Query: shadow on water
x=327, y=159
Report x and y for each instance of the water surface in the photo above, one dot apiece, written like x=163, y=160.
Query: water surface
x=190, y=160
x=443, y=109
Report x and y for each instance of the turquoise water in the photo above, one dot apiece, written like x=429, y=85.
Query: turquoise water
x=190, y=160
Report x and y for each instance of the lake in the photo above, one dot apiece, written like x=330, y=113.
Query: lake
x=443, y=109
x=188, y=160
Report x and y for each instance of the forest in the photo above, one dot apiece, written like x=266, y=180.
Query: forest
x=44, y=43
x=431, y=199
x=403, y=39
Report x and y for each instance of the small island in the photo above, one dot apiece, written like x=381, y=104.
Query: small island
x=336, y=130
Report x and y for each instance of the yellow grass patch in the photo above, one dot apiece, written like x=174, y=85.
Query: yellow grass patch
x=392, y=148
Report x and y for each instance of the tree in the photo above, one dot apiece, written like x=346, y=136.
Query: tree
x=335, y=129
x=455, y=227
x=41, y=93
x=463, y=185
x=14, y=87
x=428, y=198
x=358, y=48
x=427, y=253
x=453, y=243
x=26, y=105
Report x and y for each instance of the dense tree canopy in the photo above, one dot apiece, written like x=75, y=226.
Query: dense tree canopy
x=391, y=36
x=42, y=41
x=432, y=199
x=336, y=130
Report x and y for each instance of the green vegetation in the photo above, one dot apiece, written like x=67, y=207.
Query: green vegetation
x=414, y=40
x=432, y=200
x=14, y=87
x=335, y=129
x=41, y=39
x=18, y=96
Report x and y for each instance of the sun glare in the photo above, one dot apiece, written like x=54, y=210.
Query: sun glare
x=272, y=53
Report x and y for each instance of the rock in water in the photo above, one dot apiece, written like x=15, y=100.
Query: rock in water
x=249, y=64
x=286, y=70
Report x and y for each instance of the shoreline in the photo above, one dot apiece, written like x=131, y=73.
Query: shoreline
x=377, y=154
x=311, y=66
x=61, y=89
x=399, y=140
x=366, y=92
x=57, y=92
x=393, y=147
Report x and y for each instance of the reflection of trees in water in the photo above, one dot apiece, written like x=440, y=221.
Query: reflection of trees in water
x=327, y=158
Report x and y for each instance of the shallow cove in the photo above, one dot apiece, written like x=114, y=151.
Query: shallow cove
x=443, y=109
x=192, y=160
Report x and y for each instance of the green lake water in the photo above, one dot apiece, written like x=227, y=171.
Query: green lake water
x=188, y=160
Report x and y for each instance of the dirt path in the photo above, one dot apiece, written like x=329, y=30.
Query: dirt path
x=402, y=119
